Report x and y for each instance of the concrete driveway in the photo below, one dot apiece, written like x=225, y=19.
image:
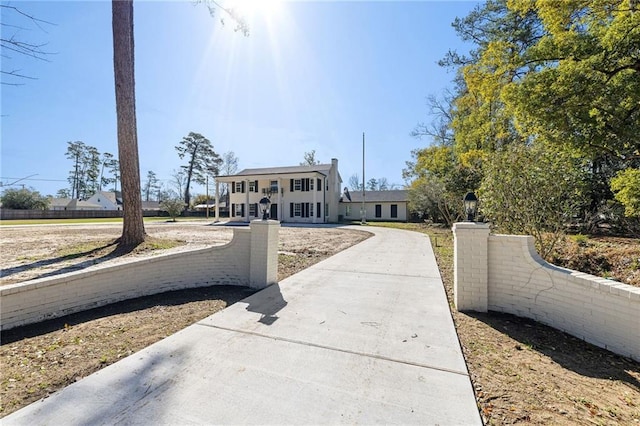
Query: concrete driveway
x=364, y=337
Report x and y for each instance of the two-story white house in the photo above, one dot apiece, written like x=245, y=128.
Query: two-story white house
x=309, y=194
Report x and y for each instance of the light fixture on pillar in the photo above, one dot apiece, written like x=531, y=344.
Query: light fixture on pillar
x=264, y=206
x=470, y=206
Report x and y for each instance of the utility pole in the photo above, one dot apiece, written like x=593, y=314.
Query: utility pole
x=363, y=221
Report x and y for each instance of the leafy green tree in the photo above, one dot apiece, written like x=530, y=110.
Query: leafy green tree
x=173, y=206
x=532, y=190
x=202, y=160
x=626, y=186
x=23, y=199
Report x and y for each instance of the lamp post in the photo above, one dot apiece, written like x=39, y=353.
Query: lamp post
x=264, y=206
x=470, y=206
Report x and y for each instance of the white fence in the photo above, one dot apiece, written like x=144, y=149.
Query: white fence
x=250, y=259
x=504, y=273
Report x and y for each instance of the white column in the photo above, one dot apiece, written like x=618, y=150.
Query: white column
x=217, y=201
x=263, y=268
x=470, y=266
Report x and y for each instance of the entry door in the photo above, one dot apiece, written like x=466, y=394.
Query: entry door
x=273, y=214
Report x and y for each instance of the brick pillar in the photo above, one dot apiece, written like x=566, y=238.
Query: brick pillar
x=470, y=266
x=263, y=263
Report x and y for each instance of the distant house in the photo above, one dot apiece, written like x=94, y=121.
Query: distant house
x=379, y=205
x=82, y=205
x=59, y=203
x=308, y=194
x=151, y=206
x=107, y=200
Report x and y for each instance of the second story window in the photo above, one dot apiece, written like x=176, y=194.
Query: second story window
x=273, y=187
x=297, y=184
x=239, y=186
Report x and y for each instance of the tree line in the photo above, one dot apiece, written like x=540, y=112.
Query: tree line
x=542, y=121
x=92, y=171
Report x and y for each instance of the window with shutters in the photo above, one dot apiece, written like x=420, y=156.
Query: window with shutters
x=297, y=209
x=253, y=186
x=297, y=184
x=253, y=208
x=274, y=187
x=239, y=186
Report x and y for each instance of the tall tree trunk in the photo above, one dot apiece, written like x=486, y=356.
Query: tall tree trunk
x=123, y=64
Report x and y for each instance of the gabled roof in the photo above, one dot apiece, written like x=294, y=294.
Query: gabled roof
x=393, y=195
x=114, y=197
x=59, y=202
x=319, y=168
x=76, y=204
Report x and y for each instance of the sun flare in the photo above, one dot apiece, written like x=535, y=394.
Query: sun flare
x=266, y=9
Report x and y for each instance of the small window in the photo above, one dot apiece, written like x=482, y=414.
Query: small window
x=394, y=210
x=378, y=210
x=347, y=212
x=310, y=209
x=310, y=184
x=297, y=184
x=297, y=209
x=239, y=187
x=274, y=187
x=253, y=185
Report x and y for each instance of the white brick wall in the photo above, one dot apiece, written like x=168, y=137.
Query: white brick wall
x=231, y=264
x=600, y=311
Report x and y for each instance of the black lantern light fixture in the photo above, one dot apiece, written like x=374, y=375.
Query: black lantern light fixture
x=470, y=206
x=264, y=206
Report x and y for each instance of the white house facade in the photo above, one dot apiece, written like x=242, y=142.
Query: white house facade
x=106, y=200
x=305, y=194
x=388, y=206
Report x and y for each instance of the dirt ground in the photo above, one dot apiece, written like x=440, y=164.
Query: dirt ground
x=522, y=371
x=39, y=359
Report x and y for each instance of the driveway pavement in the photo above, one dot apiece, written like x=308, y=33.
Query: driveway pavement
x=364, y=337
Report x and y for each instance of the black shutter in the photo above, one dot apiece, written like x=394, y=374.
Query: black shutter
x=233, y=210
x=257, y=210
x=242, y=209
x=319, y=186
x=233, y=187
x=318, y=209
x=243, y=187
x=290, y=209
x=256, y=188
x=291, y=185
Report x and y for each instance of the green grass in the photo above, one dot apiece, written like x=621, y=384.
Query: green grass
x=88, y=221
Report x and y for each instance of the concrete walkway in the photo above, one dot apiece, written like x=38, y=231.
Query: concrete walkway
x=364, y=337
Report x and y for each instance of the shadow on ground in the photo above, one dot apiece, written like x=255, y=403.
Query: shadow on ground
x=568, y=351
x=228, y=294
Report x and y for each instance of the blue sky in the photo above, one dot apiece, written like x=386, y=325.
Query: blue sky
x=311, y=76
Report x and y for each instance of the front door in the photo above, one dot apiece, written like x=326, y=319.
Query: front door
x=273, y=214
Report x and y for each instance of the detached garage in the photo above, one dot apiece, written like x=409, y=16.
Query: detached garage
x=388, y=206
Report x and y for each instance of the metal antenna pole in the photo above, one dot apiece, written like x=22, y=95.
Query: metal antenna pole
x=364, y=211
